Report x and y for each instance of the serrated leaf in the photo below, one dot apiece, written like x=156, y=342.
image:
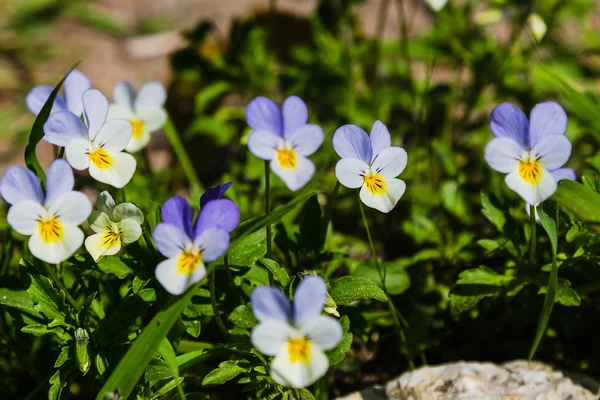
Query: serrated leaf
x=57, y=384
x=482, y=276
x=243, y=316
x=347, y=289
x=279, y=273
x=49, y=301
x=565, y=294
x=250, y=249
x=493, y=213
x=192, y=327
x=114, y=265
x=226, y=371
x=62, y=357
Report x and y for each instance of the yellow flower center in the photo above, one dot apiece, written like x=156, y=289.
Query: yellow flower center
x=530, y=171
x=299, y=349
x=51, y=229
x=188, y=261
x=111, y=236
x=374, y=182
x=137, y=128
x=101, y=158
x=287, y=158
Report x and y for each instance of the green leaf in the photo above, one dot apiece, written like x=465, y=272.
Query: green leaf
x=338, y=353
x=243, y=317
x=313, y=226
x=49, y=301
x=167, y=387
x=62, y=357
x=347, y=289
x=579, y=200
x=279, y=273
x=493, y=213
x=168, y=354
x=57, y=383
x=134, y=362
x=252, y=248
x=397, y=280
x=18, y=299
x=114, y=265
x=226, y=371
x=565, y=294
x=473, y=285
x=209, y=94
x=482, y=276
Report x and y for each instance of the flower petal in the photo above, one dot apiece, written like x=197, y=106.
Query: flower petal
x=351, y=141
x=532, y=194
x=176, y=211
x=77, y=152
x=270, y=336
x=170, y=240
x=264, y=144
x=62, y=127
x=263, y=114
x=105, y=203
x=394, y=189
x=95, y=109
x=119, y=173
x=56, y=252
x=270, y=303
x=23, y=216
x=75, y=84
x=214, y=193
x=306, y=139
x=128, y=211
x=563, y=173
x=118, y=111
x=99, y=221
x=294, y=178
x=380, y=138
x=309, y=299
x=390, y=162
x=552, y=151
x=323, y=331
x=547, y=119
x=221, y=214
x=349, y=171
x=154, y=118
x=130, y=230
x=295, y=115
x=124, y=94
x=136, y=144
x=18, y=184
x=213, y=243
x=114, y=135
x=504, y=154
x=510, y=122
x=71, y=208
x=174, y=282
x=59, y=180
x=37, y=97
x=98, y=247
x=299, y=374
x=152, y=94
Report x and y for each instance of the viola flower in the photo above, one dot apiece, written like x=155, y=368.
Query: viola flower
x=97, y=144
x=187, y=247
x=144, y=111
x=214, y=193
x=370, y=163
x=530, y=152
x=73, y=87
x=51, y=220
x=114, y=224
x=296, y=335
x=284, y=138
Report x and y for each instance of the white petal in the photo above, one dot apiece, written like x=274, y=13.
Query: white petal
x=213, y=242
x=306, y=139
x=99, y=221
x=299, y=374
x=71, y=208
x=170, y=240
x=136, y=144
x=95, y=109
x=323, y=331
x=23, y=216
x=390, y=162
x=532, y=193
x=174, y=282
x=117, y=111
x=119, y=173
x=114, y=135
x=130, y=230
x=552, y=151
x=154, y=118
x=394, y=189
x=294, y=178
x=56, y=252
x=77, y=153
x=106, y=203
x=59, y=180
x=380, y=138
x=128, y=211
x=123, y=94
x=97, y=246
x=504, y=154
x=349, y=171
x=264, y=144
x=271, y=336
x=152, y=94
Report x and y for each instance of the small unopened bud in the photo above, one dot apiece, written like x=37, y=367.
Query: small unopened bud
x=538, y=26
x=330, y=306
x=82, y=338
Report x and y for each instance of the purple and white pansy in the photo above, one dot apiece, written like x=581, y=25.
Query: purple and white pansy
x=283, y=137
x=51, y=220
x=370, y=163
x=297, y=335
x=532, y=152
x=73, y=87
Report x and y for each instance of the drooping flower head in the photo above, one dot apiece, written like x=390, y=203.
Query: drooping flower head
x=97, y=144
x=52, y=219
x=114, y=224
x=284, y=138
x=297, y=335
x=73, y=87
x=370, y=163
x=186, y=246
x=144, y=111
x=530, y=152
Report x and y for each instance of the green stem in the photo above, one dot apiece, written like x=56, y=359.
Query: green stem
x=213, y=302
x=147, y=235
x=61, y=286
x=268, y=205
x=184, y=159
x=533, y=239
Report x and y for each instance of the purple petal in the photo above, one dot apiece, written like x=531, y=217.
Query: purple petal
x=75, y=84
x=295, y=114
x=64, y=126
x=221, y=214
x=270, y=303
x=509, y=121
x=309, y=299
x=20, y=184
x=213, y=243
x=563, y=173
x=152, y=94
x=95, y=109
x=380, y=138
x=547, y=119
x=552, y=151
x=351, y=141
x=176, y=211
x=170, y=240
x=264, y=114
x=59, y=180
x=214, y=193
x=37, y=97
